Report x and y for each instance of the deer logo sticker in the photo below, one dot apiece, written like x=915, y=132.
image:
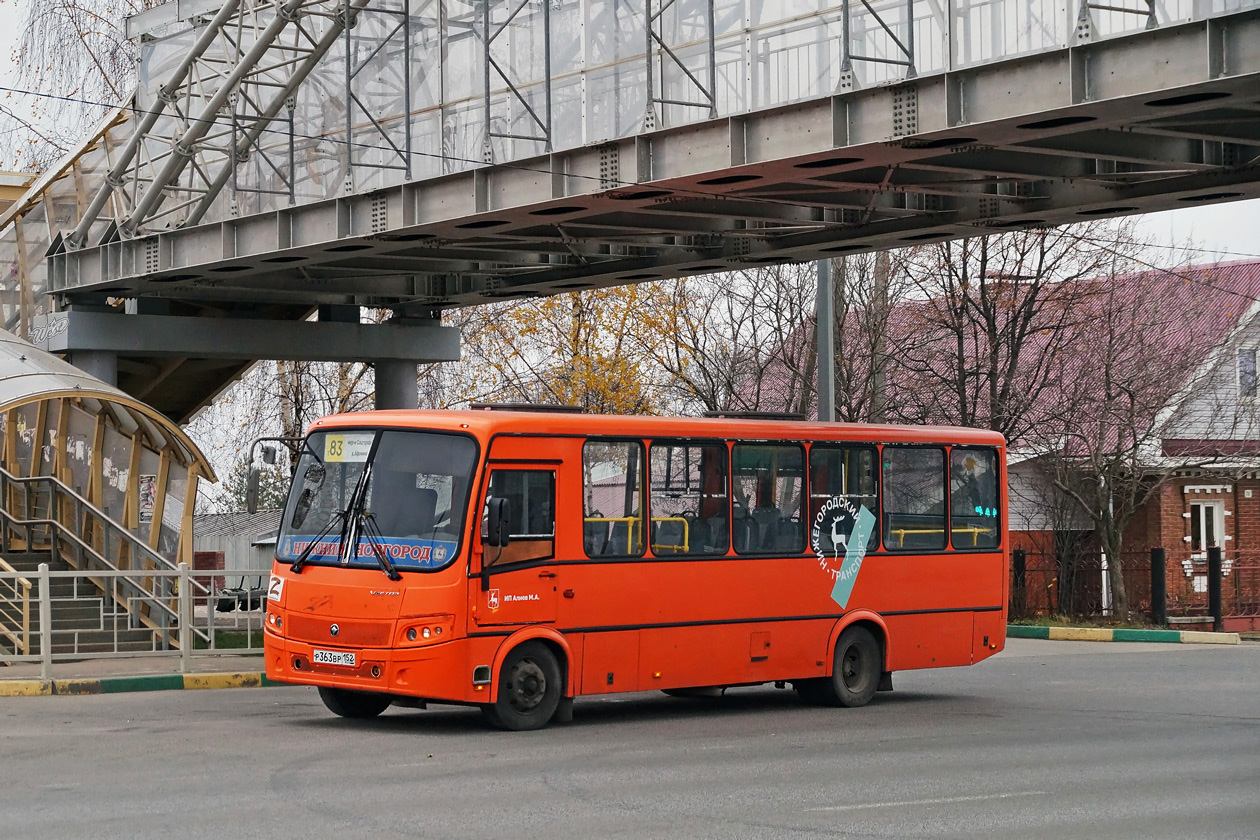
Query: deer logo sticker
x=839, y=536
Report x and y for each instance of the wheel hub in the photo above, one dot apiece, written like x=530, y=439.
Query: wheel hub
x=528, y=685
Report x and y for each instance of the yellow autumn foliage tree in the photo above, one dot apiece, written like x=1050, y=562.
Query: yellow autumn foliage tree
x=589, y=349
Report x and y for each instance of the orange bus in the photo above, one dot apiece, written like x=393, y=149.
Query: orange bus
x=515, y=560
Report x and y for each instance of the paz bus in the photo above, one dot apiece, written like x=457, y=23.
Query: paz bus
x=515, y=560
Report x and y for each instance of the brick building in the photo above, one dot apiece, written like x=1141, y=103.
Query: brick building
x=1194, y=332
x=1204, y=446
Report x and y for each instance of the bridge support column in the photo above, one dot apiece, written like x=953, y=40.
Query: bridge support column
x=825, y=328
x=99, y=363
x=396, y=384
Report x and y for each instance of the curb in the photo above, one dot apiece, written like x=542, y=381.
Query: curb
x=118, y=685
x=1099, y=634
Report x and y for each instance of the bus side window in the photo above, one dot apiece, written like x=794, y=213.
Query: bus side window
x=612, y=498
x=914, y=498
x=973, y=498
x=688, y=498
x=845, y=473
x=768, y=481
x=531, y=496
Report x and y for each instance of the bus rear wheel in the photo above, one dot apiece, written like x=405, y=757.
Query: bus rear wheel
x=353, y=704
x=529, y=689
x=858, y=666
x=855, y=674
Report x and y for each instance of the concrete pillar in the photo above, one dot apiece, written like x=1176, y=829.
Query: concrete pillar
x=396, y=384
x=99, y=363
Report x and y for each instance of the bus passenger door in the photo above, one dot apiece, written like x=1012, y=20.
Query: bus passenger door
x=517, y=583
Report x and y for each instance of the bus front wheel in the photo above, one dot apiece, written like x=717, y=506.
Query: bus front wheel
x=353, y=704
x=529, y=689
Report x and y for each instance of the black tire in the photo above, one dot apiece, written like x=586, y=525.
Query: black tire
x=353, y=704
x=529, y=689
x=856, y=669
x=811, y=691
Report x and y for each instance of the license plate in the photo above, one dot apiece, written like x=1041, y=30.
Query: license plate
x=333, y=657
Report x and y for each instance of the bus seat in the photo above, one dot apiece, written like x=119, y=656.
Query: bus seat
x=668, y=538
x=594, y=535
x=719, y=534
x=618, y=542
x=743, y=530
x=767, y=519
x=789, y=536
x=424, y=509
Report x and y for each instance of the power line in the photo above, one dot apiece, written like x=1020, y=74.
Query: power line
x=1101, y=245
x=1222, y=251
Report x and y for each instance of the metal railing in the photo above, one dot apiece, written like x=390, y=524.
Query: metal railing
x=41, y=513
x=1073, y=583
x=15, y=609
x=95, y=627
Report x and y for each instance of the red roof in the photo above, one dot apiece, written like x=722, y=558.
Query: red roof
x=1158, y=325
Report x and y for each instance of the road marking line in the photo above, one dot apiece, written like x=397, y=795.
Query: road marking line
x=943, y=801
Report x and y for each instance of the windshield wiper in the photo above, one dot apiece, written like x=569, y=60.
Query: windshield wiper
x=367, y=521
x=297, y=564
x=359, y=523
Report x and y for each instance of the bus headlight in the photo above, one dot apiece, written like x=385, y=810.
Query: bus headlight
x=427, y=629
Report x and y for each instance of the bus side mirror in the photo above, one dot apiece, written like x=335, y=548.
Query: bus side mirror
x=498, y=517
x=269, y=454
x=251, y=488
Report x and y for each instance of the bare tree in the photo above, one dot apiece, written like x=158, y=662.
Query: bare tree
x=739, y=341
x=994, y=319
x=1104, y=443
x=868, y=290
x=75, y=62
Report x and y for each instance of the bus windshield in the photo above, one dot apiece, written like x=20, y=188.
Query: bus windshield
x=413, y=505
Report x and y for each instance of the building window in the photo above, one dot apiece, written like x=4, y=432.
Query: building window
x=1247, y=373
x=1207, y=525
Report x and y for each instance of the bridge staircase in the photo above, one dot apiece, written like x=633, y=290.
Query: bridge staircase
x=106, y=590
x=84, y=619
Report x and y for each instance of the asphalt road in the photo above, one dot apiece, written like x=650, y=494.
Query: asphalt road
x=1049, y=740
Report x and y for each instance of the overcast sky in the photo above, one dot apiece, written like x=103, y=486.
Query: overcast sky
x=1224, y=231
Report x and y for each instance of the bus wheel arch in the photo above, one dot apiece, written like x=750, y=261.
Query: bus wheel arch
x=874, y=624
x=530, y=687
x=559, y=647
x=856, y=669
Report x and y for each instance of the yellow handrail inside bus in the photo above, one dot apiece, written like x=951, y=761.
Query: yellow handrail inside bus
x=634, y=526
x=677, y=548
x=901, y=533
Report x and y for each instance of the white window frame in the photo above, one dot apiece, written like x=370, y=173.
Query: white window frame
x=1217, y=512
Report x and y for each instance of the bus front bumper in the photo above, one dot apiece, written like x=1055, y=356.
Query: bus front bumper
x=442, y=671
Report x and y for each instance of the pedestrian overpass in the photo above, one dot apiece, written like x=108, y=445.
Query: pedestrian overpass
x=292, y=157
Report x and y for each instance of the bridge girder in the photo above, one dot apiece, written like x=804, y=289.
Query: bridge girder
x=1153, y=120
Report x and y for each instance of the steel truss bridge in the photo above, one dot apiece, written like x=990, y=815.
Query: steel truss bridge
x=418, y=155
